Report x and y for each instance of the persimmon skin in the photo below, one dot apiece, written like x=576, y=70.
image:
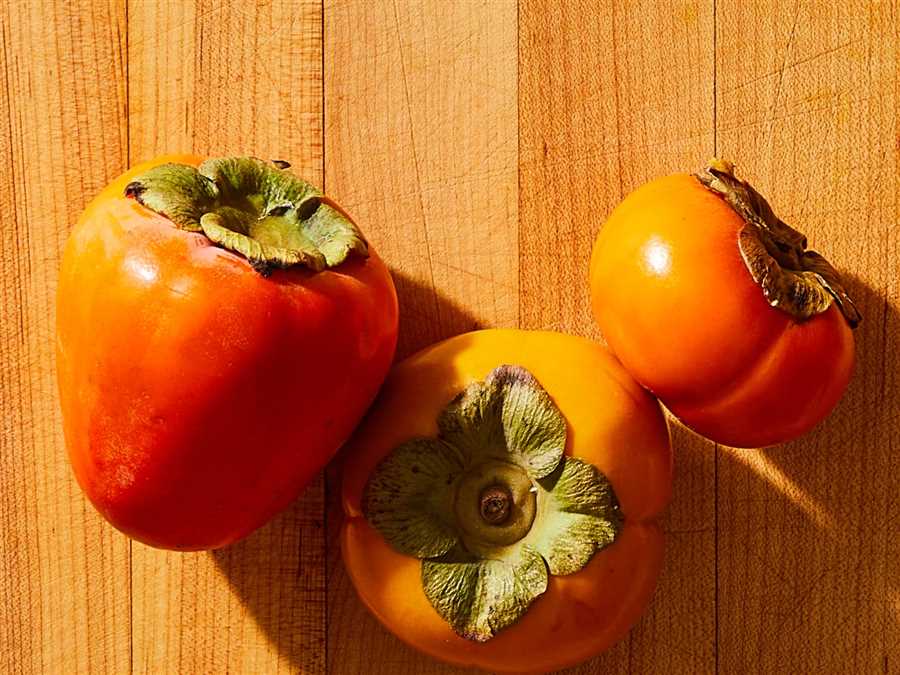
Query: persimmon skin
x=677, y=305
x=199, y=397
x=612, y=423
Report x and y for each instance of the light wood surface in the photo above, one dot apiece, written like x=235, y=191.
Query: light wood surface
x=217, y=79
x=432, y=173
x=809, y=576
x=480, y=144
x=605, y=105
x=65, y=586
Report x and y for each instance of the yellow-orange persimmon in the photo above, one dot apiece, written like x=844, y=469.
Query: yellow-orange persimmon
x=612, y=424
x=716, y=306
x=204, y=384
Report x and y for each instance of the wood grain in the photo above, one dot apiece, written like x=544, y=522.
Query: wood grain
x=606, y=104
x=479, y=144
x=64, y=586
x=228, y=78
x=808, y=567
x=420, y=146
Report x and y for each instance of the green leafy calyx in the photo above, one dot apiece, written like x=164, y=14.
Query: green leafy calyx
x=253, y=208
x=492, y=506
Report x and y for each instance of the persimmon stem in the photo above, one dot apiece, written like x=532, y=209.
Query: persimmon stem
x=495, y=503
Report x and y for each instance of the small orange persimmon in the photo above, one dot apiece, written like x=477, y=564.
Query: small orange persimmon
x=501, y=500
x=715, y=305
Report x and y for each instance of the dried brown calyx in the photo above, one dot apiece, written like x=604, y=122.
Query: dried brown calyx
x=793, y=279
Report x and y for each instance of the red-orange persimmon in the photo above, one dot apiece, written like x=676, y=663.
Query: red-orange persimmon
x=219, y=334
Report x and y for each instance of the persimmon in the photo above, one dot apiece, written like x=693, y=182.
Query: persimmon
x=221, y=328
x=717, y=307
x=501, y=500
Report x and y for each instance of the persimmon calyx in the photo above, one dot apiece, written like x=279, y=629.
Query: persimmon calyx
x=492, y=506
x=793, y=279
x=253, y=208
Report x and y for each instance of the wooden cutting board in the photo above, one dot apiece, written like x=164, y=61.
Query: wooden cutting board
x=480, y=144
